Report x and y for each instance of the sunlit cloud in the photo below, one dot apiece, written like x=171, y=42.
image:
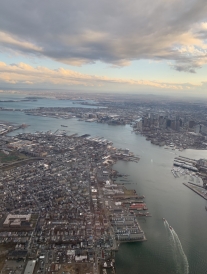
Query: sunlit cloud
x=17, y=74
x=114, y=32
x=11, y=42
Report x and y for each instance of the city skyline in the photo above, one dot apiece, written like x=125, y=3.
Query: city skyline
x=105, y=46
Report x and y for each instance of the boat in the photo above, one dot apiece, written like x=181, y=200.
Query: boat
x=170, y=227
x=63, y=126
x=141, y=197
x=163, y=219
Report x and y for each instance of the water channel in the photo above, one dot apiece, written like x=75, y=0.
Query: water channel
x=180, y=250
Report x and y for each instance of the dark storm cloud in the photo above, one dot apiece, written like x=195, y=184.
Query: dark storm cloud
x=116, y=32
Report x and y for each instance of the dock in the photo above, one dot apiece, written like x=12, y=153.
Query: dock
x=195, y=189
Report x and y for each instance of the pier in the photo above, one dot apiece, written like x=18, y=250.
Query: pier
x=192, y=187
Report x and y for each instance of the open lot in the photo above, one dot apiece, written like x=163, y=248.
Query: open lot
x=76, y=268
x=11, y=157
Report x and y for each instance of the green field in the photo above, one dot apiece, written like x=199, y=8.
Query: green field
x=11, y=157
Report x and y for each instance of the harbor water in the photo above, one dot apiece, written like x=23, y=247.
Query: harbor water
x=181, y=249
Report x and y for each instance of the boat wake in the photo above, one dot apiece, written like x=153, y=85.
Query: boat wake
x=181, y=261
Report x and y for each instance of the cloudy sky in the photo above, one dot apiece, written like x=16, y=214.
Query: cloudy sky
x=128, y=46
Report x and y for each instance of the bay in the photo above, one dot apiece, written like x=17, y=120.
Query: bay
x=182, y=251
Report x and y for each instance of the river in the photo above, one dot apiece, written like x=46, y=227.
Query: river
x=180, y=250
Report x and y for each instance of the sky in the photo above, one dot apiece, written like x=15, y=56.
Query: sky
x=132, y=46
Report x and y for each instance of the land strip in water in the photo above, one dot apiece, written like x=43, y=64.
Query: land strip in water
x=195, y=171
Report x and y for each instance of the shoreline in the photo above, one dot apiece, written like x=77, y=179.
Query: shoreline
x=195, y=190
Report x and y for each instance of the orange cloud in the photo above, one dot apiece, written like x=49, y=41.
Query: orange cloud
x=25, y=74
x=7, y=39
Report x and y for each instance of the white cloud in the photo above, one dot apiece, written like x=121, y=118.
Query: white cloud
x=115, y=32
x=17, y=74
x=11, y=42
